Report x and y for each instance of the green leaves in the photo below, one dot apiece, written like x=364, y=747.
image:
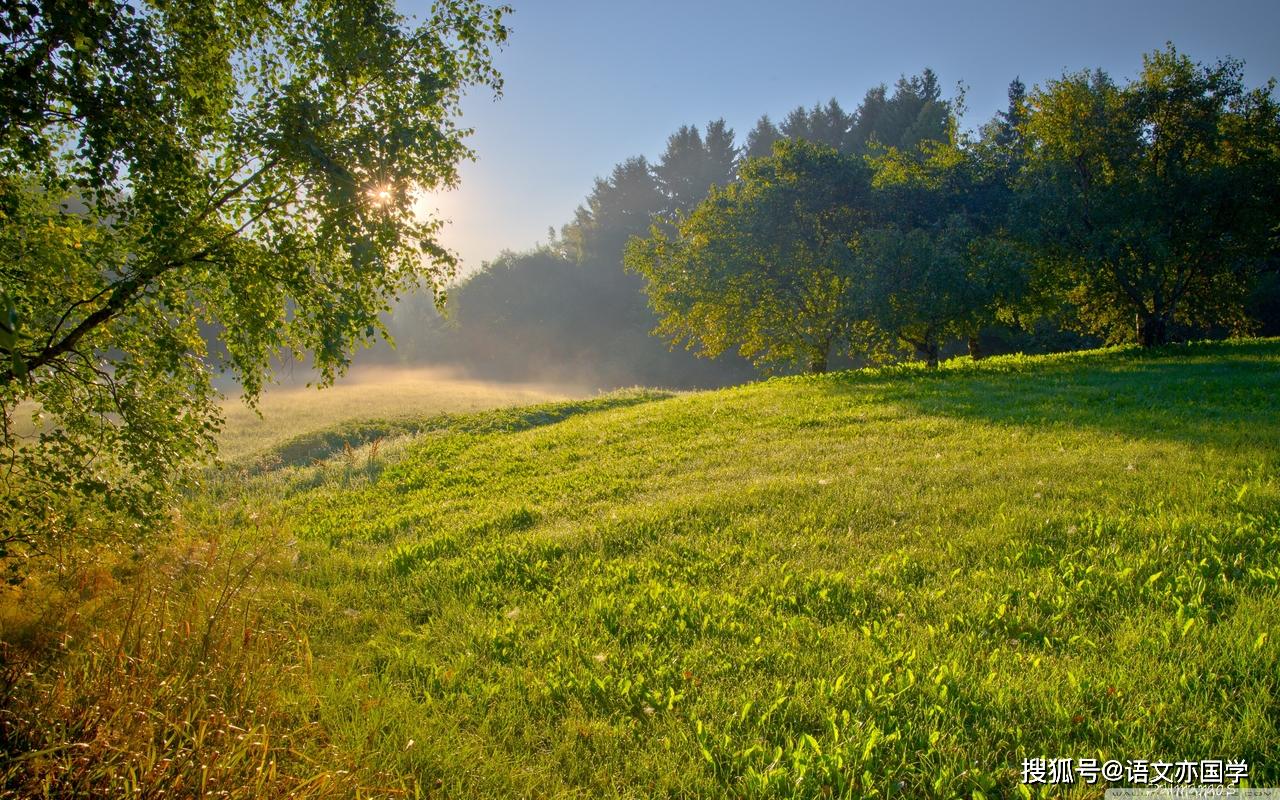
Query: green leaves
x=201, y=187
x=763, y=265
x=1150, y=199
x=9, y=324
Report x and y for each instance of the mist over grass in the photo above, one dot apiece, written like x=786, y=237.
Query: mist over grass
x=369, y=392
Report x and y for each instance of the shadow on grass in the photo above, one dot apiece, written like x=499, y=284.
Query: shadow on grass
x=319, y=445
x=1223, y=393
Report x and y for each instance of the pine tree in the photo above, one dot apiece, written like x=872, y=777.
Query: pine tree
x=690, y=165
x=679, y=171
x=761, y=138
x=722, y=154
x=868, y=120
x=828, y=125
x=620, y=206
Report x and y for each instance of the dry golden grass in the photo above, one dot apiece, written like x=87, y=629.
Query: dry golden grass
x=129, y=673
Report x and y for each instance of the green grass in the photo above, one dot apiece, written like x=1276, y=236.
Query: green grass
x=873, y=584
x=889, y=583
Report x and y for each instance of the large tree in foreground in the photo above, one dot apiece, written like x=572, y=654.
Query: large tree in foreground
x=250, y=164
x=763, y=265
x=1153, y=202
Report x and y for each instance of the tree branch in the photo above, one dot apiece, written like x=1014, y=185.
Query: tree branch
x=123, y=292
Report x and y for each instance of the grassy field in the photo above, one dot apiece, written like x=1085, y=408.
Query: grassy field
x=285, y=412
x=875, y=584
x=893, y=584
x=395, y=397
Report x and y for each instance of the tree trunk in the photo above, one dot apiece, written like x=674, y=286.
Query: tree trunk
x=929, y=352
x=1152, y=331
x=819, y=356
x=975, y=348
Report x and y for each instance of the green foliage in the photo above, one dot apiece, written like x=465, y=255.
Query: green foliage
x=938, y=263
x=251, y=165
x=764, y=265
x=913, y=115
x=982, y=238
x=760, y=139
x=690, y=166
x=1153, y=201
x=822, y=125
x=922, y=287
x=1085, y=205
x=813, y=252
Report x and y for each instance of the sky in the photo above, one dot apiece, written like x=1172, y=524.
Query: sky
x=589, y=83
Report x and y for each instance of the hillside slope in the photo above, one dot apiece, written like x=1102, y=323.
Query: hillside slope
x=862, y=584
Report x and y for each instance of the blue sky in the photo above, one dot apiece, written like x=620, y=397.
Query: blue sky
x=591, y=83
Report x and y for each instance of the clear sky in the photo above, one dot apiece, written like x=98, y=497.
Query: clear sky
x=592, y=82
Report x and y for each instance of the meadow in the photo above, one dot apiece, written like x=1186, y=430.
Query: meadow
x=291, y=410
x=885, y=583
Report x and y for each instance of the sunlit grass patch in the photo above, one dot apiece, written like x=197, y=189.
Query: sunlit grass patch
x=881, y=584
x=891, y=583
x=167, y=673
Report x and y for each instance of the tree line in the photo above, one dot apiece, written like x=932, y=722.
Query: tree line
x=569, y=310
x=1088, y=211
x=199, y=188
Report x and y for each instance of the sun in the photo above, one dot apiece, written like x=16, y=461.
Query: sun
x=381, y=195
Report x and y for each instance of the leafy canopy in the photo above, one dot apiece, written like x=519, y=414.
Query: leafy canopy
x=245, y=165
x=937, y=263
x=763, y=265
x=1153, y=201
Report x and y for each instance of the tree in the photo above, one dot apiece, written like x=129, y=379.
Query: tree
x=937, y=262
x=761, y=138
x=826, y=125
x=1007, y=133
x=917, y=113
x=933, y=282
x=679, y=170
x=690, y=166
x=722, y=152
x=251, y=164
x=913, y=115
x=619, y=207
x=763, y=265
x=1154, y=201
x=869, y=121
